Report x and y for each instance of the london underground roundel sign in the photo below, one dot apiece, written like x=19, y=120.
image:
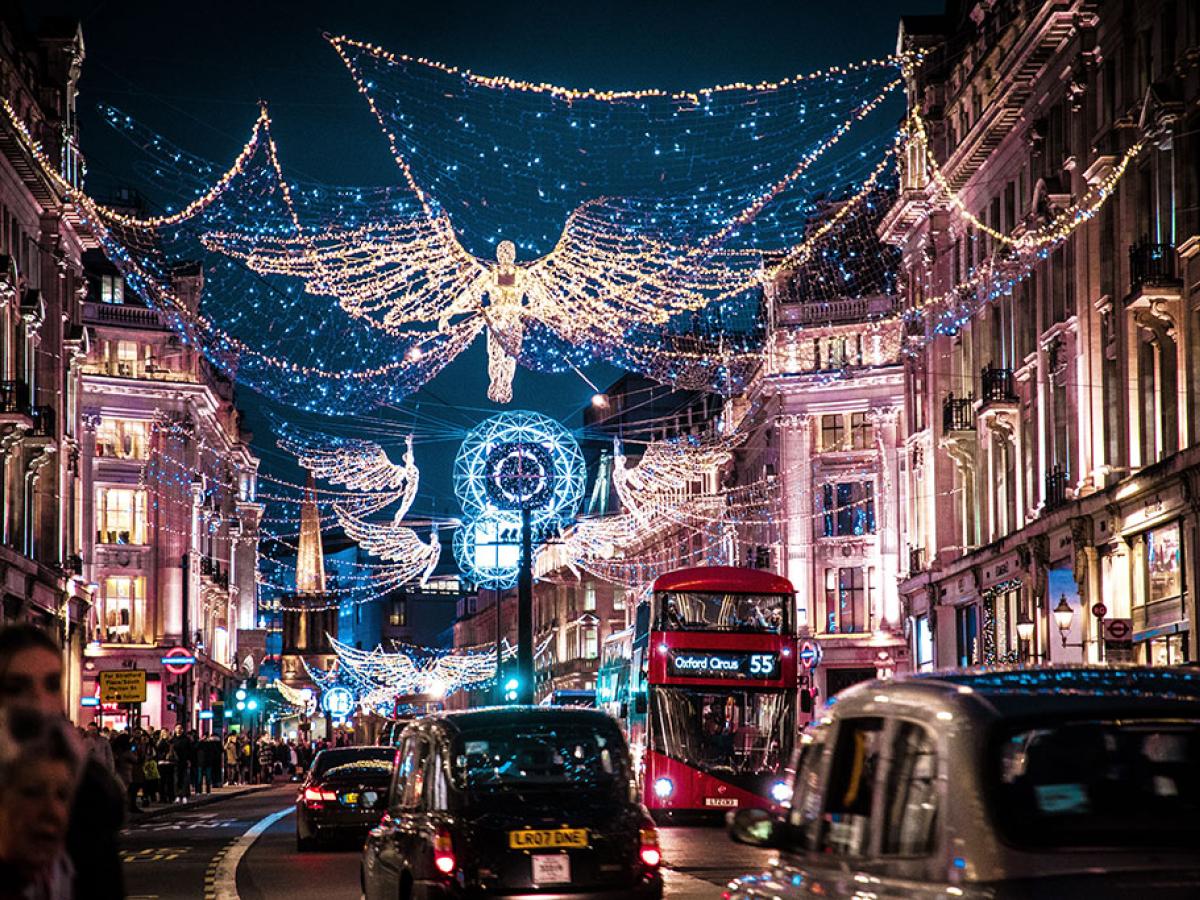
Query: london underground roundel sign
x=338, y=702
x=810, y=654
x=178, y=660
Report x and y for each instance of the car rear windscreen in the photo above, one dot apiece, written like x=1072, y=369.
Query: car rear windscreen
x=541, y=756
x=1112, y=784
x=354, y=762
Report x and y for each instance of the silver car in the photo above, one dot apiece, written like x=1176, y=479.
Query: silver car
x=1054, y=783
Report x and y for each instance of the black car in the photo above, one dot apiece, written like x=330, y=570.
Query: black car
x=344, y=794
x=537, y=801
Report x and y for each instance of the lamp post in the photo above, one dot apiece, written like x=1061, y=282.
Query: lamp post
x=1064, y=617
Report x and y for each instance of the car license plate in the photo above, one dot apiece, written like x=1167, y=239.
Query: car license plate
x=548, y=839
x=720, y=801
x=349, y=799
x=551, y=869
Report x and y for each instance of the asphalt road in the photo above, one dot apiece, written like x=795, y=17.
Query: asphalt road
x=189, y=853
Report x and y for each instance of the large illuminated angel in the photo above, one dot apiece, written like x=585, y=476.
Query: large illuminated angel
x=602, y=279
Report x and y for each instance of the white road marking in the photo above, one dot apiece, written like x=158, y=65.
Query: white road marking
x=225, y=882
x=679, y=886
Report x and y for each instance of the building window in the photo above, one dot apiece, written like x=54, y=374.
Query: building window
x=845, y=601
x=848, y=508
x=124, y=613
x=831, y=432
x=589, y=597
x=966, y=621
x=591, y=645
x=618, y=599
x=128, y=359
x=922, y=644
x=862, y=434
x=398, y=618
x=122, y=438
x=1163, y=567
x=112, y=289
x=121, y=516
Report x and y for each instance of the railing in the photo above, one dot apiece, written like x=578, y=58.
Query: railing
x=856, y=309
x=997, y=386
x=916, y=560
x=14, y=397
x=1056, y=487
x=1151, y=264
x=122, y=314
x=212, y=570
x=43, y=421
x=958, y=413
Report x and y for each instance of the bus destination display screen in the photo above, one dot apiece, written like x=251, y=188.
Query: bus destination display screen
x=733, y=664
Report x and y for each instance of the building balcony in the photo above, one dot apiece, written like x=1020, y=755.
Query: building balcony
x=958, y=413
x=44, y=422
x=996, y=387
x=1153, y=273
x=1056, y=488
x=14, y=403
x=211, y=569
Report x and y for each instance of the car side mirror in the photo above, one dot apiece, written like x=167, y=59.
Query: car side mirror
x=639, y=704
x=755, y=827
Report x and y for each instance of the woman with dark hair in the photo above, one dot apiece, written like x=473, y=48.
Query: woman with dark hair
x=40, y=762
x=31, y=679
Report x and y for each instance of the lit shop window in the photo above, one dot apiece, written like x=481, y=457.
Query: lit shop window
x=121, y=516
x=122, y=438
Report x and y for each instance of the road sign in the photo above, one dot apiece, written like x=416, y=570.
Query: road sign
x=1099, y=610
x=1118, y=640
x=1118, y=629
x=810, y=654
x=123, y=686
x=178, y=660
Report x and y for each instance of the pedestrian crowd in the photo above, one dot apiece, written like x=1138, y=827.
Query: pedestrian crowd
x=64, y=792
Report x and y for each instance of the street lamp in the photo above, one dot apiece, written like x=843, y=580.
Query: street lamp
x=1063, y=617
x=1024, y=626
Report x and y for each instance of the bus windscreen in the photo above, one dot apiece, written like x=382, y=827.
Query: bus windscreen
x=723, y=732
x=744, y=613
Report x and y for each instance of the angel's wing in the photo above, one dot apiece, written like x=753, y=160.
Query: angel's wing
x=360, y=465
x=393, y=273
x=393, y=542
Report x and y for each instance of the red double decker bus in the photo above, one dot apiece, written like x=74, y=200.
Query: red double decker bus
x=718, y=650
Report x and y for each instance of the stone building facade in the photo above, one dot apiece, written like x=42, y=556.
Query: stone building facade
x=168, y=517
x=41, y=342
x=821, y=419
x=1052, y=432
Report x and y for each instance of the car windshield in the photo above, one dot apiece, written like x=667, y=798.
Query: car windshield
x=353, y=762
x=756, y=613
x=723, y=731
x=541, y=756
x=1121, y=783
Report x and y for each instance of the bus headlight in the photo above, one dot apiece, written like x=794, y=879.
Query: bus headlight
x=663, y=788
x=780, y=792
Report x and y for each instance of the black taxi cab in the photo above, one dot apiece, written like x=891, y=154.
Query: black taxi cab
x=515, y=801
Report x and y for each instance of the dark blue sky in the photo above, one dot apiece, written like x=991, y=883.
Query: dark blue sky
x=195, y=71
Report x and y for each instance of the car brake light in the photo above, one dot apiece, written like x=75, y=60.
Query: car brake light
x=443, y=852
x=316, y=795
x=650, y=852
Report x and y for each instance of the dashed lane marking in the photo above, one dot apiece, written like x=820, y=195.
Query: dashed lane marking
x=153, y=854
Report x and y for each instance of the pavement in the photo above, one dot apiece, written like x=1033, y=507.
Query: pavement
x=239, y=844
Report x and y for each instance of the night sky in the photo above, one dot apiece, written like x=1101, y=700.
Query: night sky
x=195, y=71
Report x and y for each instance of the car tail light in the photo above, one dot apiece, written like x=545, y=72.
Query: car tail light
x=316, y=796
x=443, y=852
x=649, y=850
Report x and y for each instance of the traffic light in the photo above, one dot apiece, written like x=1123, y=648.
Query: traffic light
x=511, y=686
x=175, y=700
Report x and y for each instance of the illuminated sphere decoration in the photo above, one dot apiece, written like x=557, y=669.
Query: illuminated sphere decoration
x=520, y=459
x=512, y=462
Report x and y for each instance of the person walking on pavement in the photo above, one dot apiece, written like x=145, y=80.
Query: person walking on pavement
x=98, y=747
x=31, y=678
x=208, y=763
x=166, y=766
x=230, y=753
x=185, y=757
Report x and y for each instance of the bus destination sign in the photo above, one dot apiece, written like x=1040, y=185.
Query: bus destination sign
x=722, y=664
